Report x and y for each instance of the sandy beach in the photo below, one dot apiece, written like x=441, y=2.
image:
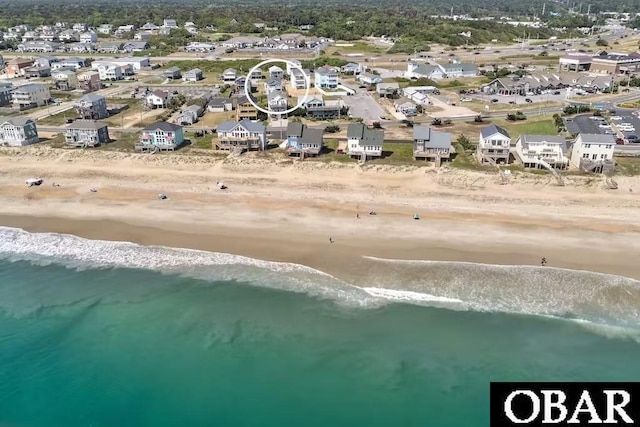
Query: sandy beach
x=287, y=210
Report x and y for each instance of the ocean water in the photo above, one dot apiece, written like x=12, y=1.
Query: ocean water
x=113, y=334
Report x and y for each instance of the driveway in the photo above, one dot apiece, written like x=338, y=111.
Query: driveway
x=365, y=105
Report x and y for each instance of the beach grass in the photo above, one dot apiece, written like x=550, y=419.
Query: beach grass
x=628, y=165
x=202, y=142
x=358, y=47
x=59, y=119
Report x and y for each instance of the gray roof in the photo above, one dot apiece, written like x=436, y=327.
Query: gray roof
x=597, y=138
x=492, y=130
x=525, y=140
x=246, y=123
x=275, y=94
x=294, y=129
x=92, y=97
x=195, y=71
x=165, y=126
x=195, y=108
x=30, y=87
x=365, y=135
x=172, y=70
x=434, y=139
x=312, y=136
x=219, y=101
x=15, y=121
x=87, y=124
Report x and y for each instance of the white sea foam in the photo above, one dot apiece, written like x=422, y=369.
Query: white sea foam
x=410, y=296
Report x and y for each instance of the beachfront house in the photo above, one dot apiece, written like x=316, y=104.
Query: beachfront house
x=364, y=142
x=542, y=151
x=593, y=153
x=30, y=96
x=493, y=146
x=18, y=131
x=86, y=133
x=303, y=141
x=242, y=135
x=161, y=136
x=431, y=145
x=92, y=106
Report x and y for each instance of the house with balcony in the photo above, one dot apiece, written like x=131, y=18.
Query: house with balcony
x=37, y=72
x=157, y=99
x=5, y=93
x=493, y=146
x=276, y=72
x=71, y=63
x=326, y=77
x=45, y=61
x=593, y=153
x=352, y=69
x=92, y=106
x=299, y=80
x=316, y=107
x=459, y=69
x=193, y=75
x=243, y=135
x=388, y=90
x=303, y=141
x=161, y=136
x=135, y=46
x=229, y=75
x=18, y=132
x=69, y=36
x=277, y=102
x=289, y=68
x=30, y=96
x=109, y=47
x=364, y=142
x=189, y=115
x=86, y=133
x=17, y=67
x=105, y=29
x=273, y=85
x=542, y=151
x=65, y=79
x=110, y=72
x=89, y=81
x=431, y=145
x=245, y=109
x=406, y=107
x=240, y=83
x=88, y=37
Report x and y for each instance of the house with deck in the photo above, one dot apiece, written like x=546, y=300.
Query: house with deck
x=364, y=142
x=189, y=115
x=352, y=69
x=37, y=72
x=110, y=72
x=92, y=106
x=161, y=136
x=229, y=75
x=245, y=109
x=241, y=135
x=406, y=107
x=542, y=151
x=299, y=80
x=459, y=69
x=30, y=96
x=273, y=85
x=17, y=67
x=317, y=108
x=276, y=72
x=277, y=101
x=193, y=75
x=172, y=73
x=303, y=141
x=157, y=99
x=86, y=133
x=593, y=153
x=71, y=63
x=431, y=145
x=326, y=77
x=5, y=93
x=89, y=81
x=416, y=96
x=18, y=131
x=388, y=90
x=493, y=146
x=65, y=79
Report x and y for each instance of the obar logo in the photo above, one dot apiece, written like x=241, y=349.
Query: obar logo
x=565, y=404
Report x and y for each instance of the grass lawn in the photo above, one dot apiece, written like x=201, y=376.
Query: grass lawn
x=121, y=142
x=628, y=165
x=203, y=141
x=58, y=119
x=117, y=119
x=214, y=119
x=534, y=126
x=358, y=47
x=330, y=155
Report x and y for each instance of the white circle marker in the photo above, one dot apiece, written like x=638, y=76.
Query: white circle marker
x=307, y=80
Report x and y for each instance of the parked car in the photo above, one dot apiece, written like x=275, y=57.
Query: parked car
x=604, y=126
x=512, y=102
x=494, y=100
x=619, y=141
x=616, y=118
x=466, y=99
x=529, y=100
x=633, y=138
x=557, y=92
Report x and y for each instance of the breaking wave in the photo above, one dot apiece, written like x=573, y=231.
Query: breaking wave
x=606, y=304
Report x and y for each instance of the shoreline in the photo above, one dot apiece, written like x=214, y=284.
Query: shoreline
x=287, y=212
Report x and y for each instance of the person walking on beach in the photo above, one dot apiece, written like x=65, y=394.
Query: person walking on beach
x=543, y=262
x=330, y=239
x=357, y=216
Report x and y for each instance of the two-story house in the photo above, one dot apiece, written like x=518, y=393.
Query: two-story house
x=92, y=106
x=30, y=96
x=364, y=142
x=161, y=136
x=193, y=75
x=290, y=68
x=317, y=108
x=326, y=77
x=65, y=79
x=110, y=72
x=17, y=67
x=245, y=109
x=388, y=90
x=493, y=146
x=406, y=107
x=5, y=93
x=352, y=69
x=459, y=69
x=157, y=99
x=593, y=153
x=303, y=141
x=219, y=104
x=299, y=80
x=273, y=85
x=105, y=29
x=245, y=134
x=88, y=37
x=89, y=81
x=431, y=145
x=18, y=132
x=417, y=70
x=189, y=115
x=277, y=101
x=276, y=72
x=86, y=133
x=71, y=63
x=172, y=73
x=229, y=75
x=542, y=151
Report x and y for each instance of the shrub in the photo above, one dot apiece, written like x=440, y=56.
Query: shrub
x=436, y=122
x=332, y=129
x=464, y=142
x=478, y=118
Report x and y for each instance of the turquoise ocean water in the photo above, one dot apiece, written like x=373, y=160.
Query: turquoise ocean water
x=113, y=334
